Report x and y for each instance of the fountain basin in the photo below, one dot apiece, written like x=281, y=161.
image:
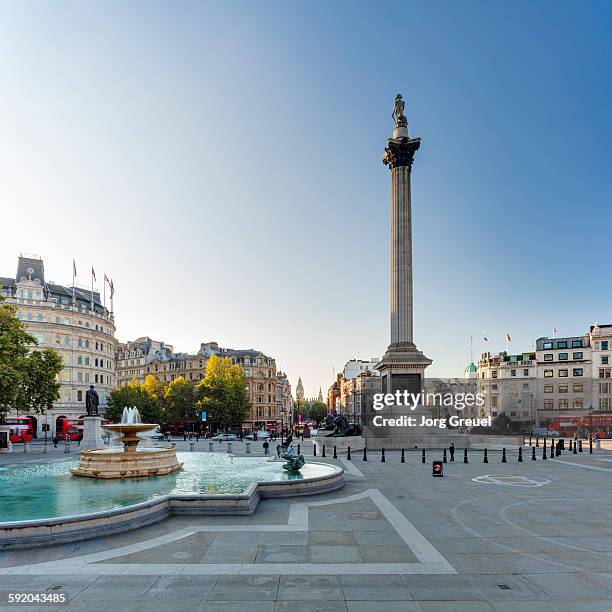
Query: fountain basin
x=44, y=504
x=116, y=463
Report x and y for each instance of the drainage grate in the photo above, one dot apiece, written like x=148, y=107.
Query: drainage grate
x=504, y=587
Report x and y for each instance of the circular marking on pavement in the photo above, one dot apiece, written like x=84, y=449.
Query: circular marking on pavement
x=512, y=481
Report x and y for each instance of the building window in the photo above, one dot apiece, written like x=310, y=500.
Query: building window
x=561, y=344
x=548, y=357
x=512, y=372
x=563, y=356
x=548, y=404
x=547, y=345
x=39, y=317
x=494, y=400
x=604, y=372
x=578, y=371
x=548, y=388
x=604, y=345
x=79, y=376
x=563, y=373
x=79, y=396
x=548, y=373
x=576, y=343
x=578, y=403
x=577, y=355
x=577, y=387
x=493, y=373
x=563, y=388
x=525, y=372
x=605, y=360
x=563, y=404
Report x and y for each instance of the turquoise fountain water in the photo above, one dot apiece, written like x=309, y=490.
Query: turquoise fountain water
x=49, y=490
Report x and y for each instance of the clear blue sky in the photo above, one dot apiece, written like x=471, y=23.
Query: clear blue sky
x=225, y=157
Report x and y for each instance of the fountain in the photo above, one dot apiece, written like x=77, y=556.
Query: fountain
x=131, y=461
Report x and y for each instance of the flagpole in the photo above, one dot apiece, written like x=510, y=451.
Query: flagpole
x=73, y=276
x=104, y=283
x=92, y=278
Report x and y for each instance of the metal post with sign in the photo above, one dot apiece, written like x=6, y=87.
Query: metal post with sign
x=437, y=469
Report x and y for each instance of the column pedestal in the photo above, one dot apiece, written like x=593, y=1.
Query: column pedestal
x=92, y=433
x=6, y=446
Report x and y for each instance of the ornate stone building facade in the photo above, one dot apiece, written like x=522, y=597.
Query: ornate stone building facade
x=133, y=356
x=73, y=322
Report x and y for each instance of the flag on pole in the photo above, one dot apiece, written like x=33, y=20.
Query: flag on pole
x=73, y=268
x=508, y=337
x=554, y=332
x=112, y=288
x=106, y=279
x=484, y=338
x=93, y=274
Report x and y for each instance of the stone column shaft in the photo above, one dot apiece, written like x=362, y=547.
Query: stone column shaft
x=401, y=258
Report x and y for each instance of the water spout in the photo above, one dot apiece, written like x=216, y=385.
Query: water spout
x=130, y=416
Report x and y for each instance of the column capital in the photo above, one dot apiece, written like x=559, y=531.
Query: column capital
x=400, y=152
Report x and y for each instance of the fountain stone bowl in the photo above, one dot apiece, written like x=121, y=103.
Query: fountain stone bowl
x=129, y=461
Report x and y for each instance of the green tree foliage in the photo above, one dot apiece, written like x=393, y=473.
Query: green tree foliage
x=134, y=394
x=180, y=398
x=317, y=411
x=28, y=378
x=223, y=393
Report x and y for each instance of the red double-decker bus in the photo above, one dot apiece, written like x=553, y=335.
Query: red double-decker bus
x=569, y=426
x=72, y=429
x=22, y=428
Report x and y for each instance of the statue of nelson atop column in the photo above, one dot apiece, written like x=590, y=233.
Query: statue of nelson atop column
x=91, y=401
x=398, y=112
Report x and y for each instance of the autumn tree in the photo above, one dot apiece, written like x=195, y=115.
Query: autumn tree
x=180, y=398
x=134, y=394
x=222, y=393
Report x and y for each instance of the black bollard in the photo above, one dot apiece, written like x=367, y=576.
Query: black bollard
x=520, y=457
x=504, y=455
x=591, y=446
x=544, y=450
x=423, y=456
x=575, y=451
x=348, y=453
x=382, y=456
x=365, y=454
x=558, y=449
x=530, y=444
x=314, y=450
x=298, y=449
x=552, y=449
x=444, y=457
x=465, y=457
x=403, y=459
x=485, y=457
x=570, y=446
x=323, y=452
x=335, y=453
x=580, y=446
x=533, y=457
x=537, y=441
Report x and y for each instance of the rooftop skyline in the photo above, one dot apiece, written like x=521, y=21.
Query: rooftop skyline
x=221, y=162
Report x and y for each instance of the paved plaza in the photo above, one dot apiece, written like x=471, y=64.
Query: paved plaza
x=496, y=536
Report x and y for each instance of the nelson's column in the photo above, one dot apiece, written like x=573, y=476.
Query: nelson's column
x=402, y=366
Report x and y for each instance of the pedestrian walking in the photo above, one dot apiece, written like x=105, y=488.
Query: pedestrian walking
x=451, y=448
x=266, y=447
x=184, y=436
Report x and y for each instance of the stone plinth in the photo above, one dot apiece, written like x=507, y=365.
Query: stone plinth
x=92, y=433
x=6, y=446
x=355, y=442
x=116, y=463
